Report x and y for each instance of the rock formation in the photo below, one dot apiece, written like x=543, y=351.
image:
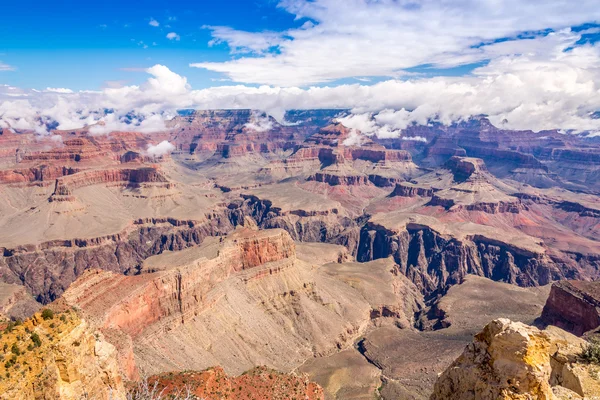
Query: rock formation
x=242, y=301
x=259, y=383
x=16, y=302
x=60, y=357
x=510, y=360
x=152, y=250
x=573, y=306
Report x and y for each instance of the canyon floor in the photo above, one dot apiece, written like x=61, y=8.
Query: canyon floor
x=364, y=268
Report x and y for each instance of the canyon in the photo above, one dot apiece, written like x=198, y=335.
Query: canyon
x=297, y=248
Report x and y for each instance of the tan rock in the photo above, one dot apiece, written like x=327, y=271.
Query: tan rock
x=511, y=360
x=72, y=361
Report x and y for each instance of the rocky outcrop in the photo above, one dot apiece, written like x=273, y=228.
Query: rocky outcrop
x=35, y=174
x=16, y=303
x=573, y=306
x=466, y=168
x=179, y=291
x=488, y=208
x=510, y=360
x=63, y=188
x=407, y=190
x=259, y=383
x=58, y=357
x=335, y=179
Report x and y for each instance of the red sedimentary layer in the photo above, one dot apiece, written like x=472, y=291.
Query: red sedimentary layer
x=64, y=186
x=33, y=174
x=411, y=191
x=259, y=383
x=340, y=179
x=573, y=306
x=133, y=303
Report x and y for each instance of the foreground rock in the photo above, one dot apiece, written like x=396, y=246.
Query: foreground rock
x=511, y=360
x=58, y=358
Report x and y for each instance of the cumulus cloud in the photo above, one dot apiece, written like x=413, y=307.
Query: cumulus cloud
x=362, y=38
x=173, y=36
x=550, y=81
x=259, y=122
x=161, y=149
x=59, y=90
x=153, y=23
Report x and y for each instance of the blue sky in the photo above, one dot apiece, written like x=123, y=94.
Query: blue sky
x=85, y=45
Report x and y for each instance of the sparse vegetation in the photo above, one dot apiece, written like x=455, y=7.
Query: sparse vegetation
x=15, y=349
x=147, y=391
x=47, y=314
x=591, y=353
x=35, y=338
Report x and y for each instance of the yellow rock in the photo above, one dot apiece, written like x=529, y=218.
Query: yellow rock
x=513, y=361
x=72, y=362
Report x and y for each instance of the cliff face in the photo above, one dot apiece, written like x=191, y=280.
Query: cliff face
x=573, y=306
x=55, y=265
x=58, y=358
x=324, y=225
x=241, y=301
x=434, y=261
x=35, y=174
x=510, y=360
x=16, y=302
x=64, y=186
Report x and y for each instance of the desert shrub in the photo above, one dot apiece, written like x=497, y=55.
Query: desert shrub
x=145, y=390
x=591, y=353
x=15, y=349
x=35, y=338
x=47, y=314
x=9, y=328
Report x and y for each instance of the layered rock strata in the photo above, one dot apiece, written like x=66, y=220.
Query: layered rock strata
x=573, y=306
x=246, y=300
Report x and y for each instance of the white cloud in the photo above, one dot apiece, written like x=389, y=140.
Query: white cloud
x=259, y=122
x=414, y=138
x=153, y=22
x=546, y=84
x=59, y=90
x=6, y=67
x=362, y=38
x=243, y=42
x=161, y=149
x=173, y=36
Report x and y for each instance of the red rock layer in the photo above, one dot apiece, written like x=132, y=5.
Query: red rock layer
x=573, y=306
x=411, y=191
x=259, y=383
x=34, y=174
